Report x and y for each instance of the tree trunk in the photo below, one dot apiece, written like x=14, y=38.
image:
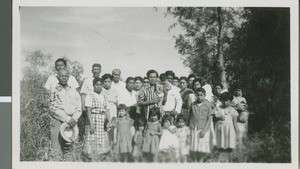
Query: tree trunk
x=220, y=49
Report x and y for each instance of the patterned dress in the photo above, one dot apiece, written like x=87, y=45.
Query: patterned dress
x=200, y=113
x=124, y=137
x=98, y=142
x=182, y=134
x=151, y=142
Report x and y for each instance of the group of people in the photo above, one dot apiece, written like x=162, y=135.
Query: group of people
x=156, y=118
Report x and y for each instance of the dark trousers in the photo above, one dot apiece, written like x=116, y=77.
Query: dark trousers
x=133, y=114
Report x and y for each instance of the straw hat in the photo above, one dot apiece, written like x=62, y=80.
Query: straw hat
x=68, y=133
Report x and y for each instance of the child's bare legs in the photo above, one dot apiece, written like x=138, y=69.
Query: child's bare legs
x=148, y=156
x=124, y=157
x=183, y=158
x=201, y=156
x=155, y=157
x=194, y=156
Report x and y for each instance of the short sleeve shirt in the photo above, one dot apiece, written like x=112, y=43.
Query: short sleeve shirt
x=52, y=82
x=87, y=86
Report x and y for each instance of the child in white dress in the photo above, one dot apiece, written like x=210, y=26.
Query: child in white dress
x=168, y=145
x=226, y=126
x=183, y=134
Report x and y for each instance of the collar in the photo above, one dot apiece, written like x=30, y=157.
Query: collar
x=59, y=87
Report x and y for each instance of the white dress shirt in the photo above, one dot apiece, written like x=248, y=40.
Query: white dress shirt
x=128, y=98
x=87, y=86
x=52, y=82
x=65, y=103
x=174, y=101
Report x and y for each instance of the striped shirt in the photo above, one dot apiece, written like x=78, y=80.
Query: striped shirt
x=147, y=94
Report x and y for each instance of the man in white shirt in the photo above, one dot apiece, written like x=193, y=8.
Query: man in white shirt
x=65, y=107
x=52, y=81
x=87, y=86
x=171, y=101
x=170, y=78
x=128, y=97
x=117, y=83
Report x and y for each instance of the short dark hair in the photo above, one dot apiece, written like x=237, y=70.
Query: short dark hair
x=226, y=96
x=97, y=79
x=180, y=117
x=176, y=78
x=170, y=72
x=196, y=80
x=166, y=117
x=200, y=90
x=96, y=65
x=152, y=71
x=138, y=78
x=155, y=111
x=184, y=78
x=61, y=60
x=107, y=76
x=122, y=106
x=128, y=79
x=162, y=76
x=145, y=78
x=191, y=75
x=219, y=84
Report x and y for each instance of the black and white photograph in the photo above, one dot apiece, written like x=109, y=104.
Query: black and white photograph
x=155, y=84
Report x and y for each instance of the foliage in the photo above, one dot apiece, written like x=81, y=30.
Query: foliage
x=257, y=60
x=260, y=64
x=35, y=118
x=199, y=43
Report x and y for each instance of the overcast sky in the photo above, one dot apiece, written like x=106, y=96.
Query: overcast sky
x=132, y=39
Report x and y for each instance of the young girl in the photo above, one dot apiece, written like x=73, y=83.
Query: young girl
x=168, y=144
x=152, y=132
x=122, y=135
x=199, y=123
x=183, y=134
x=138, y=140
x=226, y=126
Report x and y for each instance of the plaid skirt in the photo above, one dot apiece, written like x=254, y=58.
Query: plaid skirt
x=98, y=142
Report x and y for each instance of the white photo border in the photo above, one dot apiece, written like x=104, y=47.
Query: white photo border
x=294, y=67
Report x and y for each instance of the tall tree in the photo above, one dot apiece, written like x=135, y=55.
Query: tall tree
x=260, y=63
x=207, y=33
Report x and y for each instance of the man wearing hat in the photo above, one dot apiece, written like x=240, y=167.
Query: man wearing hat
x=65, y=107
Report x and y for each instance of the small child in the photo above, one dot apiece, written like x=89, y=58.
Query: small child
x=152, y=132
x=199, y=123
x=138, y=140
x=226, y=126
x=183, y=134
x=168, y=145
x=122, y=135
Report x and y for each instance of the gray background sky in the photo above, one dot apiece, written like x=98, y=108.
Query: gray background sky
x=132, y=39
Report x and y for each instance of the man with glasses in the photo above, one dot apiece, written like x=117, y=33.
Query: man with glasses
x=145, y=82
